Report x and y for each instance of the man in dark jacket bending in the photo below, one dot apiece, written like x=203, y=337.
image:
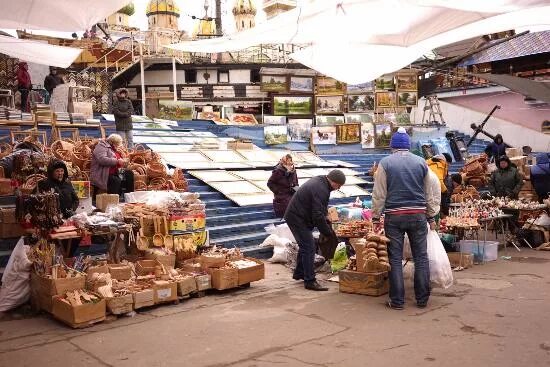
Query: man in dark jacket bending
x=308, y=209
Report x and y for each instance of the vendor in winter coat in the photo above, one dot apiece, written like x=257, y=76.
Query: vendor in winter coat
x=283, y=183
x=123, y=111
x=506, y=180
x=58, y=182
x=51, y=81
x=540, y=176
x=24, y=84
x=106, y=163
x=496, y=149
x=308, y=209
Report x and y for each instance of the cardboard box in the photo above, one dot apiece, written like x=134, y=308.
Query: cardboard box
x=44, y=289
x=514, y=152
x=369, y=284
x=166, y=260
x=186, y=286
x=145, y=267
x=120, y=271
x=79, y=316
x=190, y=265
x=144, y=298
x=252, y=274
x=185, y=224
x=204, y=282
x=212, y=261
x=101, y=269
x=463, y=259
x=519, y=161
x=225, y=278
x=165, y=291
x=120, y=305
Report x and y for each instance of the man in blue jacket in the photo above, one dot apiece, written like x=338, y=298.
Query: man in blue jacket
x=402, y=190
x=540, y=176
x=308, y=209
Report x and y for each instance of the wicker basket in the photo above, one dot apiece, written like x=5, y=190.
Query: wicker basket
x=140, y=151
x=158, y=184
x=140, y=186
x=5, y=149
x=156, y=169
x=158, y=240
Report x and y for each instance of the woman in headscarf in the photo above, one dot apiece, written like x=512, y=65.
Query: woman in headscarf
x=283, y=183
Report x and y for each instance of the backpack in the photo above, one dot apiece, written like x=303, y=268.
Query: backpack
x=440, y=168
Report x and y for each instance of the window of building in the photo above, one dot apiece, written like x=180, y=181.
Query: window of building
x=120, y=19
x=190, y=76
x=243, y=23
x=223, y=76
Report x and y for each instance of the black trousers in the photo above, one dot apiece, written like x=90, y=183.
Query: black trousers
x=118, y=185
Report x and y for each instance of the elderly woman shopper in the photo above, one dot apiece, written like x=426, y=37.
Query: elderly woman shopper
x=107, y=172
x=283, y=183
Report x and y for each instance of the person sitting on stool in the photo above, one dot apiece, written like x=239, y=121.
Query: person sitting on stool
x=107, y=173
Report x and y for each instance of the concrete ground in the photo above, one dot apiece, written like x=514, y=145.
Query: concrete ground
x=496, y=314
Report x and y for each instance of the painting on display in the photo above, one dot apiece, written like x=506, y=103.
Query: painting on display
x=357, y=118
x=385, y=82
x=292, y=105
x=361, y=102
x=383, y=135
x=390, y=117
x=329, y=86
x=385, y=99
x=273, y=83
x=407, y=99
x=299, y=130
x=275, y=134
x=403, y=118
x=367, y=135
x=242, y=119
x=407, y=81
x=328, y=104
x=274, y=120
x=324, y=135
x=301, y=84
x=348, y=134
x=208, y=116
x=329, y=120
x=360, y=88
x=175, y=110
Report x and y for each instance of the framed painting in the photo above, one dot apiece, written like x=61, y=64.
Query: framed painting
x=361, y=102
x=274, y=120
x=386, y=99
x=403, y=118
x=299, y=130
x=326, y=86
x=273, y=83
x=329, y=104
x=383, y=135
x=360, y=88
x=302, y=84
x=214, y=116
x=357, y=118
x=407, y=99
x=275, y=134
x=175, y=110
x=243, y=119
x=292, y=105
x=385, y=82
x=390, y=117
x=367, y=135
x=348, y=134
x=329, y=120
x=407, y=82
x=324, y=135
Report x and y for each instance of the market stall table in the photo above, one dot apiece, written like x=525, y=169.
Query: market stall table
x=498, y=222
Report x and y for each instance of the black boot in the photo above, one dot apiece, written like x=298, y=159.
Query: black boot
x=314, y=286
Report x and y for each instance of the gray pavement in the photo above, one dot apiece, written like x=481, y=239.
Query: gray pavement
x=495, y=315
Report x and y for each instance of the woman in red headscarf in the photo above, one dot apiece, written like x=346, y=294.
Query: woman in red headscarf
x=24, y=84
x=283, y=183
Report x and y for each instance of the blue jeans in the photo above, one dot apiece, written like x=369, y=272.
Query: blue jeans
x=306, y=253
x=416, y=228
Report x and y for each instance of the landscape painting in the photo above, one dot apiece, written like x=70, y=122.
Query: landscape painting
x=274, y=120
x=348, y=134
x=361, y=102
x=407, y=99
x=383, y=135
x=299, y=130
x=175, y=110
x=407, y=81
x=329, y=86
x=360, y=88
x=367, y=135
x=329, y=120
x=273, y=83
x=292, y=105
x=301, y=84
x=385, y=99
x=328, y=104
x=385, y=82
x=356, y=118
x=275, y=134
x=325, y=135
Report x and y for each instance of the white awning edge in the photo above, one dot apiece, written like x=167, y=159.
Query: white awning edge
x=38, y=52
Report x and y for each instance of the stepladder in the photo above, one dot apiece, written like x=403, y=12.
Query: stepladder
x=433, y=111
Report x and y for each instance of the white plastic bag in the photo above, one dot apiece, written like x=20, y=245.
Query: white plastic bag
x=441, y=274
x=407, y=253
x=281, y=248
x=16, y=287
x=281, y=230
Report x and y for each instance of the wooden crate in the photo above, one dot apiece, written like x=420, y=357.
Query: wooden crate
x=461, y=259
x=369, y=284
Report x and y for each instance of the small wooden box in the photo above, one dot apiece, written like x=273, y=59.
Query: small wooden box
x=252, y=274
x=461, y=259
x=369, y=284
x=120, y=305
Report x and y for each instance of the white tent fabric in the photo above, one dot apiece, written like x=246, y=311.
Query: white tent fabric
x=38, y=52
x=56, y=15
x=347, y=36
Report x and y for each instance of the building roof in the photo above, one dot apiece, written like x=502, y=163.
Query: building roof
x=162, y=6
x=528, y=44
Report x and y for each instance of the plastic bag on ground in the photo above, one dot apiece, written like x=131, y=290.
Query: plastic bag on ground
x=16, y=287
x=281, y=230
x=441, y=274
x=281, y=247
x=340, y=259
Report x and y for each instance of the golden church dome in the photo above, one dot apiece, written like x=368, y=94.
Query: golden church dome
x=244, y=7
x=162, y=7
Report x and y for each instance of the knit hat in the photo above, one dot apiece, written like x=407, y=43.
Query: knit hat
x=400, y=139
x=337, y=176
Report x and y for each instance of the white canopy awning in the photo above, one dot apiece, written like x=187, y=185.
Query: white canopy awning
x=56, y=15
x=358, y=40
x=38, y=52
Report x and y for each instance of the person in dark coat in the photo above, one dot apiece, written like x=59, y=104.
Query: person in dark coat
x=496, y=149
x=506, y=181
x=308, y=209
x=123, y=111
x=283, y=183
x=51, y=81
x=540, y=176
x=24, y=84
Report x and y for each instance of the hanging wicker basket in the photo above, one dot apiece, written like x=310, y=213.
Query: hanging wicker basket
x=156, y=169
x=158, y=240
